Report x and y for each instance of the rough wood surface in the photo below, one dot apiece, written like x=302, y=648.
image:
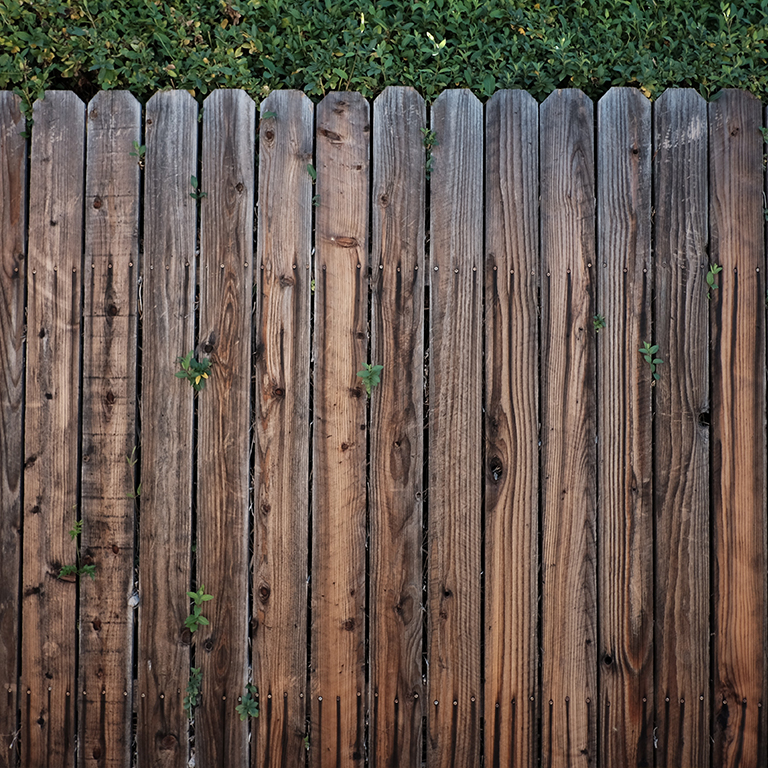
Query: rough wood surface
x=340, y=432
x=454, y=709
x=51, y=426
x=568, y=600
x=282, y=429
x=223, y=426
x=13, y=184
x=738, y=429
x=625, y=447
x=168, y=294
x=681, y=431
x=110, y=276
x=396, y=698
x=511, y=472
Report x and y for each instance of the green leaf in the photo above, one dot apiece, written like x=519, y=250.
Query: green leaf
x=311, y=171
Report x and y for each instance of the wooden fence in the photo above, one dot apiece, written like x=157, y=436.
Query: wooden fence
x=521, y=550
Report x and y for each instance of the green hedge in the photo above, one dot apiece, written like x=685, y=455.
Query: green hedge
x=324, y=45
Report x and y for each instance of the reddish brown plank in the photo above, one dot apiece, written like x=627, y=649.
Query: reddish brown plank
x=624, y=448
x=339, y=449
x=281, y=432
x=397, y=343
x=681, y=432
x=111, y=272
x=51, y=426
x=738, y=427
x=568, y=600
x=455, y=404
x=13, y=182
x=168, y=296
x=223, y=427
x=511, y=472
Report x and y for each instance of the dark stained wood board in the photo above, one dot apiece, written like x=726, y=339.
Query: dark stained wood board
x=340, y=432
x=167, y=405
x=738, y=429
x=13, y=183
x=454, y=709
x=224, y=421
x=110, y=277
x=396, y=697
x=281, y=428
x=52, y=392
x=681, y=431
x=568, y=473
x=625, y=434
x=511, y=471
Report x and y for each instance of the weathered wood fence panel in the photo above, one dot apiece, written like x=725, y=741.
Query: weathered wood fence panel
x=521, y=549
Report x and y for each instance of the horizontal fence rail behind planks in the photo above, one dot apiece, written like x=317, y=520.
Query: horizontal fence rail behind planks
x=356, y=434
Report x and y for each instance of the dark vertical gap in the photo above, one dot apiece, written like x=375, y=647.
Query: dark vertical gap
x=310, y=448
x=483, y=434
x=79, y=478
x=425, y=468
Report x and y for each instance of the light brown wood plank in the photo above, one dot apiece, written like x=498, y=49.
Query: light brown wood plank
x=681, y=431
x=223, y=426
x=13, y=182
x=511, y=472
x=396, y=698
x=111, y=271
x=168, y=296
x=51, y=427
x=281, y=431
x=568, y=601
x=455, y=403
x=340, y=432
x=738, y=427
x=624, y=447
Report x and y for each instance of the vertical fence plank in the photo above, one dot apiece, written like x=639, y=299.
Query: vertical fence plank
x=166, y=410
x=625, y=449
x=397, y=695
x=50, y=452
x=13, y=183
x=282, y=429
x=569, y=624
x=455, y=402
x=738, y=426
x=223, y=466
x=512, y=427
x=681, y=458
x=109, y=427
x=340, y=451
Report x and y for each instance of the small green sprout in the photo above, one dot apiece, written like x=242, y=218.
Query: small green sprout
x=648, y=352
x=371, y=376
x=714, y=270
x=195, y=371
x=268, y=115
x=312, y=172
x=194, y=696
x=139, y=152
x=77, y=569
x=429, y=140
x=195, y=194
x=249, y=706
x=598, y=321
x=195, y=619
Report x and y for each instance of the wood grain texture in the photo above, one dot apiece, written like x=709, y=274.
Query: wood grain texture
x=625, y=447
x=511, y=472
x=568, y=601
x=681, y=438
x=738, y=428
x=13, y=184
x=51, y=427
x=281, y=432
x=223, y=425
x=340, y=432
x=168, y=272
x=397, y=416
x=111, y=271
x=455, y=404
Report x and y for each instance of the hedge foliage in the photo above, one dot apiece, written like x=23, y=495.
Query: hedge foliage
x=324, y=45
